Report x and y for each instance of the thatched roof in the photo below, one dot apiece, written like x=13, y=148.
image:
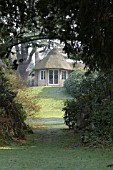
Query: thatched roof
x=54, y=60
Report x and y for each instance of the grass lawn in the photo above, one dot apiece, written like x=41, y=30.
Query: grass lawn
x=51, y=100
x=54, y=151
x=52, y=146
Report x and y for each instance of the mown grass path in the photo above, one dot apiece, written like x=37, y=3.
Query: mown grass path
x=51, y=101
x=53, y=146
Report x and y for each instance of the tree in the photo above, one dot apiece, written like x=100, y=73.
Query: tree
x=18, y=24
x=24, y=59
x=85, y=26
x=67, y=21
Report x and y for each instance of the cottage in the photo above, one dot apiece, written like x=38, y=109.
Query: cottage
x=52, y=70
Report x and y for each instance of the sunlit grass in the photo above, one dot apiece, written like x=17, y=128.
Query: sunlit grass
x=50, y=99
x=52, y=151
x=52, y=146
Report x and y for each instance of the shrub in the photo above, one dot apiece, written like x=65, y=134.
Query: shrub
x=22, y=94
x=92, y=109
x=73, y=81
x=70, y=116
x=12, y=114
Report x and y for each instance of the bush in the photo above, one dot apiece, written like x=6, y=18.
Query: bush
x=12, y=114
x=91, y=111
x=28, y=101
x=70, y=116
x=22, y=94
x=73, y=81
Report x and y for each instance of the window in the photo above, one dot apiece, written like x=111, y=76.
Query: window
x=42, y=75
x=63, y=75
x=53, y=76
x=50, y=76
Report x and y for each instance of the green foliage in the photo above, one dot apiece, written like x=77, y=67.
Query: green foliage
x=91, y=110
x=70, y=116
x=22, y=94
x=69, y=22
x=73, y=82
x=29, y=102
x=12, y=114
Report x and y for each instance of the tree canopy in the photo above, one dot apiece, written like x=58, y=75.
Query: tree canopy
x=84, y=26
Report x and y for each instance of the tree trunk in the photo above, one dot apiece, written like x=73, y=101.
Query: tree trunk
x=24, y=59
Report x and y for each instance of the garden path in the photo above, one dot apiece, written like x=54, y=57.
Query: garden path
x=50, y=117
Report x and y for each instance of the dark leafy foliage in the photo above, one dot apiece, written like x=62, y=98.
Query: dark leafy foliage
x=12, y=115
x=85, y=26
x=73, y=82
x=70, y=116
x=91, y=112
x=66, y=20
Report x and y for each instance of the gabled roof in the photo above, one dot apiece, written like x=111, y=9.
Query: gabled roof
x=54, y=60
